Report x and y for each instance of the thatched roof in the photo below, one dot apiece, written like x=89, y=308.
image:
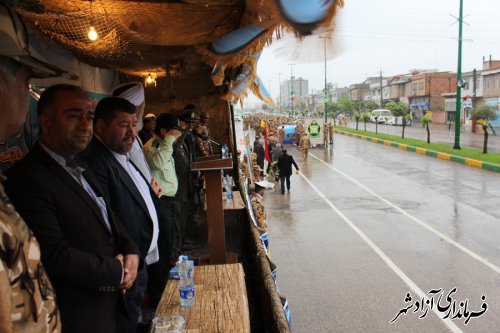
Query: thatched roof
x=166, y=38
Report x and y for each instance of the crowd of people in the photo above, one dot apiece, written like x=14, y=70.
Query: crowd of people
x=94, y=214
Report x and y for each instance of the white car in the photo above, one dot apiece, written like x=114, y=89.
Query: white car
x=396, y=121
x=238, y=117
x=382, y=114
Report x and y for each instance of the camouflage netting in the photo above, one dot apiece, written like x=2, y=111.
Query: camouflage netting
x=165, y=38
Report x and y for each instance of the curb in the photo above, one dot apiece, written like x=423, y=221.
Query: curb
x=427, y=152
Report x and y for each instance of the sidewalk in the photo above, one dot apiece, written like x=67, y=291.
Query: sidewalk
x=439, y=133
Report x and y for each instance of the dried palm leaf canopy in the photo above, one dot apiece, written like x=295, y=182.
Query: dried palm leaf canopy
x=177, y=39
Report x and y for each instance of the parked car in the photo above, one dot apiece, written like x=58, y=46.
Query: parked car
x=382, y=114
x=397, y=121
x=238, y=117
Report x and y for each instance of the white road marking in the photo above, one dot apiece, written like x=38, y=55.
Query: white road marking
x=409, y=282
x=414, y=219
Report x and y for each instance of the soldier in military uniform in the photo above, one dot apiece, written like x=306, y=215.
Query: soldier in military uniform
x=203, y=146
x=27, y=300
x=325, y=135
x=305, y=144
x=258, y=206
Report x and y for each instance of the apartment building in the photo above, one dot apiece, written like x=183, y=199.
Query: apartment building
x=491, y=86
x=427, y=89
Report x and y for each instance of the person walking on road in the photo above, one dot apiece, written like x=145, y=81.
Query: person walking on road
x=305, y=144
x=330, y=132
x=285, y=163
x=326, y=132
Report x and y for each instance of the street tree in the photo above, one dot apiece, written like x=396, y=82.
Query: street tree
x=365, y=116
x=406, y=120
x=357, y=117
x=333, y=108
x=399, y=109
x=426, y=120
x=483, y=113
x=346, y=105
x=371, y=105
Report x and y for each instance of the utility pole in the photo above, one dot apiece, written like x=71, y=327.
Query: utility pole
x=458, y=122
x=381, y=97
x=292, y=93
x=269, y=85
x=326, y=89
x=279, y=82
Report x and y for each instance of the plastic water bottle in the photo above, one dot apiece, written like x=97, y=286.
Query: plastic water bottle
x=186, y=282
x=223, y=151
x=229, y=189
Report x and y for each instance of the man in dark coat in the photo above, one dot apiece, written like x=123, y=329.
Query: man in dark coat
x=88, y=256
x=128, y=191
x=285, y=163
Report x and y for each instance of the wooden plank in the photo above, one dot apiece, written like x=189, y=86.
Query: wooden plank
x=221, y=303
x=215, y=218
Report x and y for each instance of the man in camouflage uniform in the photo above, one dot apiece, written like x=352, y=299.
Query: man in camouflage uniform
x=258, y=206
x=27, y=300
x=203, y=147
x=305, y=144
x=330, y=132
x=325, y=135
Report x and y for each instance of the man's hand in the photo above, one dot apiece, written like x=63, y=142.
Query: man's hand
x=156, y=187
x=297, y=172
x=173, y=132
x=130, y=265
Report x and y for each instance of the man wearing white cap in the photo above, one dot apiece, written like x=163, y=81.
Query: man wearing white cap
x=148, y=128
x=23, y=308
x=134, y=93
x=258, y=207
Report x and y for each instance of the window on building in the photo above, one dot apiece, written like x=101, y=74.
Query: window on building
x=496, y=82
x=478, y=84
x=487, y=83
x=421, y=86
x=413, y=87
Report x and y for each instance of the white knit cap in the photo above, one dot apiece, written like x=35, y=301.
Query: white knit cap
x=131, y=91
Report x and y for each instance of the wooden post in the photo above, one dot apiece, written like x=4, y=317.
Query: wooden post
x=211, y=167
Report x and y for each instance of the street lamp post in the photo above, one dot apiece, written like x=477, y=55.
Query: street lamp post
x=326, y=91
x=459, y=80
x=280, y=101
x=292, y=93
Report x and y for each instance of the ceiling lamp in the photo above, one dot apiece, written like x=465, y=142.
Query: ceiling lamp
x=92, y=34
x=150, y=80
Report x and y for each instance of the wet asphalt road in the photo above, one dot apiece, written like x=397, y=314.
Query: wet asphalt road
x=365, y=224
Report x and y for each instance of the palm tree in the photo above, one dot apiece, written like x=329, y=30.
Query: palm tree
x=483, y=113
x=406, y=120
x=357, y=117
x=425, y=122
x=366, y=117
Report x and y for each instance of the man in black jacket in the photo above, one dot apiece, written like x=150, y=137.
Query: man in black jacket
x=285, y=163
x=88, y=255
x=128, y=191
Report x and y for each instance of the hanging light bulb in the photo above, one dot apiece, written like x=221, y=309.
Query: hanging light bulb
x=150, y=80
x=92, y=33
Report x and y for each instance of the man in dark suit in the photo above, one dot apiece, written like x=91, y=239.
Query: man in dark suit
x=88, y=256
x=285, y=163
x=128, y=191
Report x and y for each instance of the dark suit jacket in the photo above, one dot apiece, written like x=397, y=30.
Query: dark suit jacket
x=182, y=160
x=285, y=165
x=124, y=197
x=77, y=248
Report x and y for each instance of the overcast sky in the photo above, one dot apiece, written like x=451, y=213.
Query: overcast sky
x=393, y=36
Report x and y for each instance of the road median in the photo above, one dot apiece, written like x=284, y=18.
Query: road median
x=424, y=151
